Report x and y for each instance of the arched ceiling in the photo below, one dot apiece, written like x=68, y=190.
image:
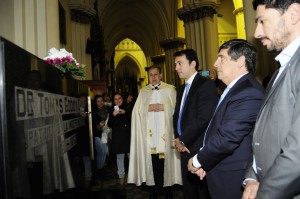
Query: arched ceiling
x=146, y=22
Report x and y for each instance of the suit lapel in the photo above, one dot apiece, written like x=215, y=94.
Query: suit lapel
x=188, y=98
x=272, y=89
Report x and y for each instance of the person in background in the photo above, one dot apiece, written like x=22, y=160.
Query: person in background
x=153, y=161
x=274, y=171
x=107, y=100
x=195, y=103
x=129, y=101
x=120, y=122
x=226, y=149
x=100, y=116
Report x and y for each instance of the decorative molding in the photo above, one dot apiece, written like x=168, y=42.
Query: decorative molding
x=241, y=9
x=158, y=59
x=172, y=43
x=226, y=37
x=194, y=12
x=81, y=13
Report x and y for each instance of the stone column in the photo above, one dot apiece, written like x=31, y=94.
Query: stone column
x=239, y=16
x=171, y=46
x=81, y=17
x=201, y=28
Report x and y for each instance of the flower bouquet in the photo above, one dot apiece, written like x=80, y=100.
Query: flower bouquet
x=65, y=62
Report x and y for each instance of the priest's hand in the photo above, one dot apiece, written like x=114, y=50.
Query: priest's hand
x=160, y=107
x=155, y=107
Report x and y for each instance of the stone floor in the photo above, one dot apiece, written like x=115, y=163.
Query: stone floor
x=108, y=187
x=111, y=189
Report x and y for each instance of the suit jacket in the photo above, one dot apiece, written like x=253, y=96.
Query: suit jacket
x=200, y=103
x=228, y=140
x=276, y=139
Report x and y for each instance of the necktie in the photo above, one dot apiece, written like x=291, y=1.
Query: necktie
x=187, y=87
x=221, y=99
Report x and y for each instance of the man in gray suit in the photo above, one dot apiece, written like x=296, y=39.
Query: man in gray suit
x=275, y=170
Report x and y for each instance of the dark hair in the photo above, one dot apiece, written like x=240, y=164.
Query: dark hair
x=96, y=97
x=240, y=47
x=153, y=67
x=281, y=5
x=190, y=54
x=118, y=94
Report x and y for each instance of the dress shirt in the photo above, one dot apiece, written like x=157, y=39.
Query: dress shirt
x=189, y=81
x=285, y=56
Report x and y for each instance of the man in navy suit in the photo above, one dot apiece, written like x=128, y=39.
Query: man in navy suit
x=226, y=149
x=195, y=103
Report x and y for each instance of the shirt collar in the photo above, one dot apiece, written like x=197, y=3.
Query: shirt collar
x=235, y=80
x=191, y=79
x=285, y=56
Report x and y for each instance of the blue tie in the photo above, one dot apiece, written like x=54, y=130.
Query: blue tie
x=187, y=87
x=221, y=98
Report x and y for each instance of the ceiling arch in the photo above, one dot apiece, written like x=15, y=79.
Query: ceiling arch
x=125, y=57
x=145, y=22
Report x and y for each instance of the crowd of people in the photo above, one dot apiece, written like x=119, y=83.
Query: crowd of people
x=241, y=143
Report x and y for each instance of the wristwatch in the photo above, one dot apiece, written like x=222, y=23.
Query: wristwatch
x=181, y=143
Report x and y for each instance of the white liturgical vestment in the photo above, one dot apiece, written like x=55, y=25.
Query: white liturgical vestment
x=152, y=133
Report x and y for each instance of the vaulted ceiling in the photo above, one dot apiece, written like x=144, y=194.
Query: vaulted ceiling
x=146, y=22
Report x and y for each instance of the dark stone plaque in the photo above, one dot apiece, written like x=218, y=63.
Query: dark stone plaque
x=39, y=125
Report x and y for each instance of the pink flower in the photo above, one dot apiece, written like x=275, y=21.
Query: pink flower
x=65, y=62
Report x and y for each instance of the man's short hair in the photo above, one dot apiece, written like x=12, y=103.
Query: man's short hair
x=153, y=67
x=281, y=5
x=240, y=47
x=190, y=54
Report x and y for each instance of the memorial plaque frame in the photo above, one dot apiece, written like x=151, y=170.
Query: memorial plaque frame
x=39, y=124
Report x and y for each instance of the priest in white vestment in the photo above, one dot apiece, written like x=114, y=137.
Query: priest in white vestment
x=153, y=159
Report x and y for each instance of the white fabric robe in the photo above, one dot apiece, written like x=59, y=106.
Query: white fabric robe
x=140, y=164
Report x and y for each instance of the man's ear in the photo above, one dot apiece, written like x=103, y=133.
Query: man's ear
x=294, y=10
x=241, y=61
x=160, y=75
x=193, y=64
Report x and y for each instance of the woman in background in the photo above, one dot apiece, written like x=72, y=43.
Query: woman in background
x=120, y=121
x=100, y=116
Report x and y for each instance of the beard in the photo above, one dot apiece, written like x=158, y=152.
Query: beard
x=281, y=37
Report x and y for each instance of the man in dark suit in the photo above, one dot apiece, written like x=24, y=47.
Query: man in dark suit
x=226, y=149
x=195, y=103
